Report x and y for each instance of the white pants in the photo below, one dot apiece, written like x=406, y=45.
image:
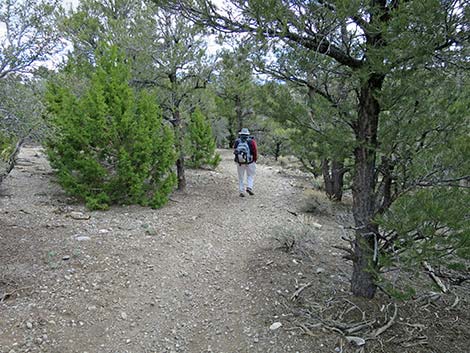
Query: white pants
x=250, y=170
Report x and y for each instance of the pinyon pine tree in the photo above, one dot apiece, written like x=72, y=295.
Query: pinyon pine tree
x=200, y=142
x=110, y=145
x=369, y=44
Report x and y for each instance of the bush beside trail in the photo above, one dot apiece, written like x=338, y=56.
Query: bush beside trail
x=110, y=145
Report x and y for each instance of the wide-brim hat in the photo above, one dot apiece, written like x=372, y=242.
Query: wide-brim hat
x=244, y=131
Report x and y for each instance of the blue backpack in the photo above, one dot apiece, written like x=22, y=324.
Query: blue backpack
x=242, y=152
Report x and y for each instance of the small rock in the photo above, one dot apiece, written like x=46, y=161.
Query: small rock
x=123, y=316
x=103, y=231
x=66, y=257
x=275, y=326
x=29, y=325
x=151, y=231
x=358, y=341
x=320, y=270
x=82, y=238
x=79, y=215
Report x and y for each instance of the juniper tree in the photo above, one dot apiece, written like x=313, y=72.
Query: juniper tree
x=166, y=53
x=200, y=142
x=110, y=144
x=235, y=90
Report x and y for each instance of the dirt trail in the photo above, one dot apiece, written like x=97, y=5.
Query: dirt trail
x=194, y=276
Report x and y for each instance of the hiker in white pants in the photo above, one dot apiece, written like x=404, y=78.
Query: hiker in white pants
x=246, y=155
x=250, y=170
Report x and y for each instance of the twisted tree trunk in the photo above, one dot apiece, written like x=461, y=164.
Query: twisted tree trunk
x=333, y=178
x=365, y=247
x=10, y=163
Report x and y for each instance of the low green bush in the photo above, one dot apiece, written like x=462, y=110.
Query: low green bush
x=110, y=145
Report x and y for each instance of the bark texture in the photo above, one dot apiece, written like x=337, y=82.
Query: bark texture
x=179, y=144
x=364, y=182
x=333, y=176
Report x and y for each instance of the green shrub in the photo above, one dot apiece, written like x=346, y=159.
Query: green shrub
x=110, y=145
x=200, y=142
x=7, y=146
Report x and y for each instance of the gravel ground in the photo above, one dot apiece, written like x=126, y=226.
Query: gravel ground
x=209, y=272
x=194, y=276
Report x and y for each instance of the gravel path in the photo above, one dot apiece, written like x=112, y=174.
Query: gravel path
x=194, y=276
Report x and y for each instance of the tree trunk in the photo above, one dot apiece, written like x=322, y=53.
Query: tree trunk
x=365, y=256
x=387, y=182
x=239, y=112
x=179, y=144
x=232, y=136
x=277, y=150
x=333, y=179
x=10, y=164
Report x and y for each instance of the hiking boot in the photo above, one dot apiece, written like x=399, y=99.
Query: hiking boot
x=242, y=194
x=250, y=191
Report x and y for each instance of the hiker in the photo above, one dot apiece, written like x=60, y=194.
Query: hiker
x=246, y=155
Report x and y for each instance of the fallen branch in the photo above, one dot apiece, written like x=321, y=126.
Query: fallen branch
x=385, y=327
x=349, y=252
x=433, y=276
x=455, y=280
x=421, y=340
x=429, y=297
x=420, y=327
x=307, y=331
x=334, y=329
x=7, y=295
x=293, y=213
x=296, y=294
x=360, y=326
x=353, y=306
x=456, y=301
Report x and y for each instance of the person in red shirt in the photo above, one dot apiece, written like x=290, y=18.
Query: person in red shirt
x=246, y=163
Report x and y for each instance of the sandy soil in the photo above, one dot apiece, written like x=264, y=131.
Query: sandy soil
x=209, y=272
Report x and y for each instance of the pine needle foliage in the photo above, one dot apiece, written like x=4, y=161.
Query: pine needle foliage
x=6, y=146
x=200, y=142
x=110, y=145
